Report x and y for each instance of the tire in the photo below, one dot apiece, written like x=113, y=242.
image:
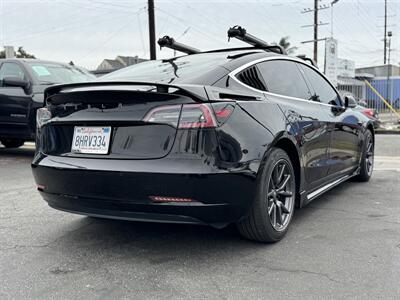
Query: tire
x=262, y=223
x=11, y=143
x=367, y=158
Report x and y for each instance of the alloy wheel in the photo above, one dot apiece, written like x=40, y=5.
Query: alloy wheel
x=369, y=156
x=281, y=193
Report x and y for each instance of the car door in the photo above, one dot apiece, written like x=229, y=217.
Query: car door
x=342, y=124
x=14, y=102
x=286, y=86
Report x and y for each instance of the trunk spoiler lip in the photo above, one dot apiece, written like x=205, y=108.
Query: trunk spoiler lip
x=202, y=93
x=193, y=90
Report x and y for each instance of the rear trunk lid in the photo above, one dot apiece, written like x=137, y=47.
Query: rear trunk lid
x=135, y=121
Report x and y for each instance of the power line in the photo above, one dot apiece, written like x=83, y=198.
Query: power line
x=141, y=34
x=184, y=22
x=60, y=29
x=110, y=36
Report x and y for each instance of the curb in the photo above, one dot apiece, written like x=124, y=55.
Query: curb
x=387, y=131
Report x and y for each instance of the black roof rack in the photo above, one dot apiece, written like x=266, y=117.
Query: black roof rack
x=169, y=42
x=241, y=34
x=310, y=60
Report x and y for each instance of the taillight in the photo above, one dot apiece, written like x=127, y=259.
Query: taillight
x=43, y=115
x=183, y=116
x=222, y=111
x=40, y=187
x=168, y=114
x=369, y=112
x=197, y=116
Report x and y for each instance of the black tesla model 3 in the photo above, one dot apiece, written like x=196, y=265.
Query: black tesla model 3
x=229, y=136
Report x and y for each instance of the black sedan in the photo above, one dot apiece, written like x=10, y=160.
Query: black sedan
x=230, y=136
x=22, y=84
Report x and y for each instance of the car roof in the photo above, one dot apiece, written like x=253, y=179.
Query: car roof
x=223, y=61
x=29, y=60
x=243, y=55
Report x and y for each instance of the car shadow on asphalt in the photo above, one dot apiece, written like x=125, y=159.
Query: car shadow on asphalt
x=321, y=203
x=157, y=242
x=17, y=152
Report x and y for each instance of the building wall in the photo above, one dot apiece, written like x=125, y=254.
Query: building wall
x=380, y=70
x=392, y=94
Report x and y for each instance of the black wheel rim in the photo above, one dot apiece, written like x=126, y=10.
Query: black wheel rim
x=369, y=156
x=280, y=197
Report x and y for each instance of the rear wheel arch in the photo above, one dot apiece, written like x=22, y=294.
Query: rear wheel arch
x=370, y=127
x=287, y=145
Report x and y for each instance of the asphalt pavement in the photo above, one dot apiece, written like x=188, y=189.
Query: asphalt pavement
x=346, y=244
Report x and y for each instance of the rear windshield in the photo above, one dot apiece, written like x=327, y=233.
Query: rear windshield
x=51, y=73
x=169, y=70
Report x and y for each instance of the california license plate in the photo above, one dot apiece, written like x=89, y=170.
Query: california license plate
x=91, y=140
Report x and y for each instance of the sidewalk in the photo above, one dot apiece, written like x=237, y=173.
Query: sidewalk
x=387, y=117
x=390, y=124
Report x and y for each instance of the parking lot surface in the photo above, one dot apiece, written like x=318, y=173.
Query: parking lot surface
x=346, y=244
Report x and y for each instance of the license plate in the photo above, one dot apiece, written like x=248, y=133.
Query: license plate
x=91, y=140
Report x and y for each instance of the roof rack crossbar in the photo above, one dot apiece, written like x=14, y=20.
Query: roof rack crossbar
x=240, y=33
x=310, y=60
x=169, y=42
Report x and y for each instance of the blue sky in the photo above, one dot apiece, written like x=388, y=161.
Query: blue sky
x=86, y=31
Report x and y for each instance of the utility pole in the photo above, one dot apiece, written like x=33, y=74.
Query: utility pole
x=152, y=30
x=316, y=9
x=315, y=30
x=384, y=35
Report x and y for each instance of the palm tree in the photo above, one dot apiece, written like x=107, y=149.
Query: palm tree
x=285, y=44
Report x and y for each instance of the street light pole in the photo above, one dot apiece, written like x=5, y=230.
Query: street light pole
x=332, y=3
x=384, y=35
x=389, y=36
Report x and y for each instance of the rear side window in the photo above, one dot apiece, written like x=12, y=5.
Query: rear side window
x=284, y=78
x=322, y=91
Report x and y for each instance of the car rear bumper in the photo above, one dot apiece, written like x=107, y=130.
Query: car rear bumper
x=75, y=185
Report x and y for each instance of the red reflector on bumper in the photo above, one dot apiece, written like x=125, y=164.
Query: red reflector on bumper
x=170, y=199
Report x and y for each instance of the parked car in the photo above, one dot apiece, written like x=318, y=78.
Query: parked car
x=362, y=106
x=22, y=83
x=228, y=136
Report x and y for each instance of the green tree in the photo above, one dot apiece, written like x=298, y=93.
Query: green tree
x=21, y=53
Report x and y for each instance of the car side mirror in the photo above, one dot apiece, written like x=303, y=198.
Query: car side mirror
x=349, y=101
x=12, y=81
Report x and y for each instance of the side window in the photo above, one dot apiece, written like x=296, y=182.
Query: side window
x=284, y=78
x=11, y=69
x=323, y=91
